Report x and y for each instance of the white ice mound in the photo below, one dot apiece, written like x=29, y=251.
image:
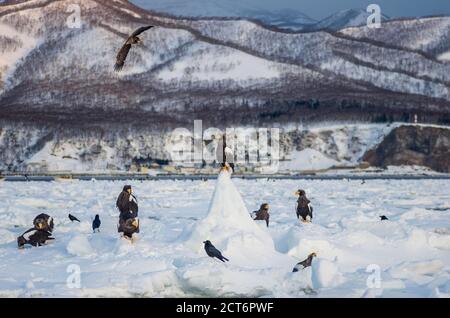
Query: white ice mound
x=325, y=273
x=230, y=228
x=80, y=246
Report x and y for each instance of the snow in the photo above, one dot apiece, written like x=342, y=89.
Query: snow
x=79, y=246
x=134, y=14
x=308, y=159
x=10, y=58
x=320, y=146
x=208, y=63
x=444, y=57
x=231, y=229
x=325, y=273
x=411, y=249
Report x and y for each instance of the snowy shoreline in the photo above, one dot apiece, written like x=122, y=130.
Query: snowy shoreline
x=186, y=177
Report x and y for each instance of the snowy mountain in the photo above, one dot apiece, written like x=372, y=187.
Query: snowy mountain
x=427, y=36
x=344, y=19
x=282, y=18
x=288, y=18
x=231, y=63
x=57, y=83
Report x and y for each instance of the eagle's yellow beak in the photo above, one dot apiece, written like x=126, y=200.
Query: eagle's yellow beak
x=226, y=168
x=135, y=223
x=297, y=193
x=129, y=191
x=267, y=206
x=40, y=226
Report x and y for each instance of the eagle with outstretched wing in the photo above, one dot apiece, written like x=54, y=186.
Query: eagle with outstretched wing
x=132, y=40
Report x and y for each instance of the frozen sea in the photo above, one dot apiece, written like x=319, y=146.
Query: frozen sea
x=358, y=255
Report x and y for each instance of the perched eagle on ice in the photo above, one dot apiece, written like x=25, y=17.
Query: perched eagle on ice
x=133, y=39
x=306, y=263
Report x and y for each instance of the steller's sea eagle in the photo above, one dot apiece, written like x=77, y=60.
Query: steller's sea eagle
x=133, y=39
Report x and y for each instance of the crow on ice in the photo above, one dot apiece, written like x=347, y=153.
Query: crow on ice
x=72, y=218
x=214, y=252
x=96, y=223
x=132, y=40
x=43, y=222
x=34, y=237
x=383, y=218
x=306, y=263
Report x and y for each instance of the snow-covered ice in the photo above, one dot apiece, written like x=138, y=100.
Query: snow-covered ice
x=411, y=250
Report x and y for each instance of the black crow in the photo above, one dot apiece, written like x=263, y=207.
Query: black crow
x=214, y=252
x=383, y=218
x=96, y=223
x=72, y=218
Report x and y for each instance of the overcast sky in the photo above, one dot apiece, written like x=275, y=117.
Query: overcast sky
x=319, y=9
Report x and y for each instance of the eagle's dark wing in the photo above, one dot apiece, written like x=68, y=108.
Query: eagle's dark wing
x=141, y=29
x=121, y=57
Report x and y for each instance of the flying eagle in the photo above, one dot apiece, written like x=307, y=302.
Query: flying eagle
x=133, y=39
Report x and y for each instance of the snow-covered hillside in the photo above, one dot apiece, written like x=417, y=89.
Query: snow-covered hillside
x=61, y=102
x=411, y=250
x=301, y=148
x=428, y=35
x=192, y=67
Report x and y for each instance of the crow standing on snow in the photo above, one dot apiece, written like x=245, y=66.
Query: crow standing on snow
x=214, y=252
x=72, y=218
x=383, y=218
x=96, y=223
x=306, y=263
x=132, y=40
